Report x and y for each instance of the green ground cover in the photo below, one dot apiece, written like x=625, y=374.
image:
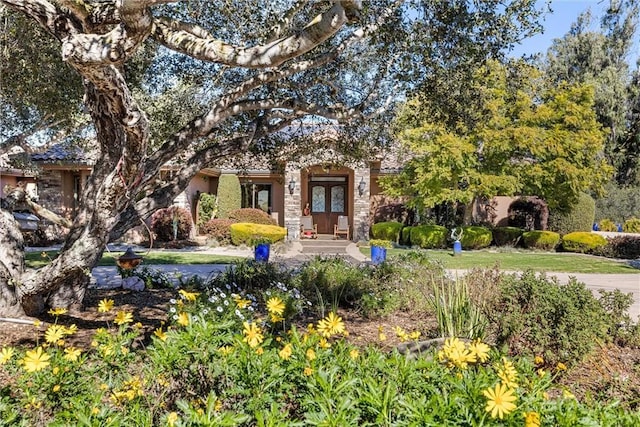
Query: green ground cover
x=39, y=259
x=523, y=260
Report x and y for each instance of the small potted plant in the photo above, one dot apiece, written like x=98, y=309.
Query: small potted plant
x=379, y=250
x=261, y=248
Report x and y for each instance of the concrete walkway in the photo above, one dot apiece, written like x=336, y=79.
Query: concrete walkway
x=107, y=277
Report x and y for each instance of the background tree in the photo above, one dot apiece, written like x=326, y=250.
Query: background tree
x=238, y=72
x=523, y=137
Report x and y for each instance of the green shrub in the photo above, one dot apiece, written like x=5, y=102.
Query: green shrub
x=545, y=240
x=405, y=236
x=534, y=315
x=429, y=236
x=632, y=225
x=507, y=236
x=254, y=216
x=382, y=243
x=580, y=217
x=245, y=233
x=387, y=231
x=607, y=225
x=624, y=247
x=163, y=221
x=582, y=242
x=219, y=229
x=207, y=208
x=619, y=203
x=474, y=237
x=229, y=194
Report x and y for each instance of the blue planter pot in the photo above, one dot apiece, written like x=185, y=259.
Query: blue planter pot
x=261, y=252
x=457, y=248
x=378, y=254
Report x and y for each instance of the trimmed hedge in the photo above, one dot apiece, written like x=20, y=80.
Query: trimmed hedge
x=254, y=216
x=583, y=242
x=429, y=236
x=632, y=225
x=389, y=230
x=405, y=235
x=507, y=236
x=229, y=194
x=624, y=247
x=607, y=225
x=245, y=233
x=580, y=217
x=476, y=237
x=537, y=239
x=162, y=223
x=219, y=229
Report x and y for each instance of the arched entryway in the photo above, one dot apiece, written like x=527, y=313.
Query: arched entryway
x=329, y=191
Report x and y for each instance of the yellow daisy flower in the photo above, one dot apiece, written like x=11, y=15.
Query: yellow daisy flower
x=6, y=354
x=323, y=343
x=275, y=306
x=252, y=334
x=311, y=354
x=308, y=371
x=189, y=296
x=286, y=352
x=123, y=317
x=531, y=419
x=105, y=305
x=71, y=354
x=54, y=334
x=480, y=350
x=499, y=400
x=331, y=325
x=57, y=311
x=35, y=360
x=183, y=319
x=354, y=354
x=160, y=334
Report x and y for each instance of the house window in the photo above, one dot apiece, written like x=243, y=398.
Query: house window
x=256, y=196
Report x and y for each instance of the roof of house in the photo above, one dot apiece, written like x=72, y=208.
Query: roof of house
x=63, y=153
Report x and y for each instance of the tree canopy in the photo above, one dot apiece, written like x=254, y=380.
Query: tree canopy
x=526, y=137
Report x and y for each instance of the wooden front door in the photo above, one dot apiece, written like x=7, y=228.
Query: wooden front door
x=328, y=201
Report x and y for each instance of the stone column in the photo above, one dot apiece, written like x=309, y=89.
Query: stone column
x=361, y=202
x=292, y=203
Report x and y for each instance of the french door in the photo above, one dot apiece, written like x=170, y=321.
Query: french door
x=328, y=201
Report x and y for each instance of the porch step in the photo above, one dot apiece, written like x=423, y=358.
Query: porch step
x=324, y=245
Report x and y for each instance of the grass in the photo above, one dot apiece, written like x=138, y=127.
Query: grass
x=519, y=260
x=36, y=259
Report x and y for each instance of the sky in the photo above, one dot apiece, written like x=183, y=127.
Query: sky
x=558, y=23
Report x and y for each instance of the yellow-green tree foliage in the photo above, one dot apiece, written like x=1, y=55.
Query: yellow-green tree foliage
x=525, y=137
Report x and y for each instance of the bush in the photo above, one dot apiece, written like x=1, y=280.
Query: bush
x=162, y=223
x=254, y=216
x=389, y=230
x=580, y=217
x=207, y=208
x=474, y=237
x=405, y=236
x=607, y=225
x=583, y=242
x=624, y=247
x=507, y=236
x=632, y=225
x=534, y=315
x=229, y=194
x=429, y=236
x=619, y=204
x=528, y=213
x=219, y=229
x=545, y=240
x=246, y=233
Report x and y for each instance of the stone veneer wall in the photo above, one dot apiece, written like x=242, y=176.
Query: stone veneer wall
x=292, y=203
x=50, y=191
x=361, y=203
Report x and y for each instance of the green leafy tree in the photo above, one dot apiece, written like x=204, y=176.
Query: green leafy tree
x=526, y=138
x=200, y=82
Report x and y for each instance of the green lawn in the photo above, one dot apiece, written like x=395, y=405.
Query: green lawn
x=524, y=260
x=36, y=259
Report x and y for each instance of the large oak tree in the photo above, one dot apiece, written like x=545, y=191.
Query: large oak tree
x=200, y=81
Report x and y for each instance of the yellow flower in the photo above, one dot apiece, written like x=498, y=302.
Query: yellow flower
x=37, y=323
x=123, y=317
x=499, y=400
x=275, y=306
x=308, y=371
x=57, y=311
x=541, y=373
x=259, y=351
x=189, y=296
x=172, y=418
x=160, y=334
x=311, y=354
x=183, y=319
x=508, y=373
x=105, y=305
x=54, y=333
x=531, y=419
x=331, y=325
x=35, y=360
x=6, y=354
x=567, y=394
x=285, y=353
x=480, y=350
x=95, y=411
x=226, y=350
x=70, y=330
x=538, y=360
x=217, y=406
x=382, y=336
x=242, y=303
x=323, y=343
x=71, y=354
x=561, y=366
x=401, y=334
x=56, y=388
x=415, y=335
x=455, y=353
x=252, y=334
x=354, y=353
x=275, y=318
